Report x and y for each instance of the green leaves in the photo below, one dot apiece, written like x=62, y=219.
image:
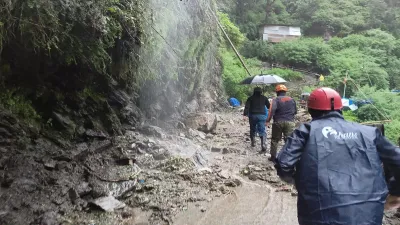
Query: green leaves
x=72, y=32
x=388, y=104
x=350, y=116
x=340, y=17
x=234, y=73
x=231, y=29
x=305, y=52
x=286, y=74
x=259, y=49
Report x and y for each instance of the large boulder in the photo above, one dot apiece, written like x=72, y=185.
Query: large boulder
x=205, y=122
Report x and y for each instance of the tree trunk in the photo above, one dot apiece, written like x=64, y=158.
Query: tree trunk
x=268, y=9
x=239, y=11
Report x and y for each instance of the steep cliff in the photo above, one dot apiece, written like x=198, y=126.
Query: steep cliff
x=181, y=55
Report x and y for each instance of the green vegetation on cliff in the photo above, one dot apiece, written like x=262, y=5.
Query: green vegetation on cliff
x=67, y=56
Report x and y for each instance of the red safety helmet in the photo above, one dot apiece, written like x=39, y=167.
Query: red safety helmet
x=280, y=87
x=325, y=99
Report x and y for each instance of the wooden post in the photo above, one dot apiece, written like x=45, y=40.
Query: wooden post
x=233, y=47
x=345, y=84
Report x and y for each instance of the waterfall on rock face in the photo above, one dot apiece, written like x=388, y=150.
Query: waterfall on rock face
x=178, y=60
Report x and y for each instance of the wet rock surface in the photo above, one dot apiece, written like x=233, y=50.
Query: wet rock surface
x=205, y=122
x=108, y=204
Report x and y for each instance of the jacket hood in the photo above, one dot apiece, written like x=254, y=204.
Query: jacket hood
x=257, y=91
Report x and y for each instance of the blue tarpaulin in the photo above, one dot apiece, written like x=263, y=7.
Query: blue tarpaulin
x=360, y=103
x=349, y=103
x=234, y=102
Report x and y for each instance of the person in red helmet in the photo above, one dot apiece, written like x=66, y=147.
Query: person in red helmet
x=336, y=166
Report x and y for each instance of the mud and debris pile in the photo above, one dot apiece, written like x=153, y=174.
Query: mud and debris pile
x=147, y=175
x=148, y=169
x=267, y=173
x=302, y=116
x=168, y=183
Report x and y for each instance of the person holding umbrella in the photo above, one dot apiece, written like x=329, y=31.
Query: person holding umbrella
x=256, y=109
x=255, y=105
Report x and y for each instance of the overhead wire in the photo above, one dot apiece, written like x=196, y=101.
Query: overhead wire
x=384, y=115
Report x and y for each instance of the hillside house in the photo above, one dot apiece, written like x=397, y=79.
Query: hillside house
x=276, y=33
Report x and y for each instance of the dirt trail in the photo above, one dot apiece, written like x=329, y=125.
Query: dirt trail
x=249, y=204
x=253, y=202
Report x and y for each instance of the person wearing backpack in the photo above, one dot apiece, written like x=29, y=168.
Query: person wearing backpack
x=336, y=166
x=282, y=111
x=256, y=110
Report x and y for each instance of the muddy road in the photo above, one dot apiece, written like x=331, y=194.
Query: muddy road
x=155, y=176
x=258, y=200
x=251, y=203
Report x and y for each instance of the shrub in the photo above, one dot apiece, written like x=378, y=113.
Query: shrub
x=286, y=74
x=350, y=116
x=19, y=105
x=258, y=49
x=392, y=131
x=231, y=29
x=304, y=52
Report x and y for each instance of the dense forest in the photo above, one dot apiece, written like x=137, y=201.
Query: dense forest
x=363, y=44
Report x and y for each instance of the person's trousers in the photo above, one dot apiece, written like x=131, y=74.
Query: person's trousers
x=257, y=125
x=284, y=128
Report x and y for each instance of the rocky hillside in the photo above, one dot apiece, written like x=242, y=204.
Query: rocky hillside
x=107, y=65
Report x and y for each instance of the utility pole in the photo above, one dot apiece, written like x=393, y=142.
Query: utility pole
x=345, y=84
x=229, y=40
x=233, y=46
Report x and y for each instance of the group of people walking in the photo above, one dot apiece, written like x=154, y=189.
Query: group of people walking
x=336, y=166
x=259, y=111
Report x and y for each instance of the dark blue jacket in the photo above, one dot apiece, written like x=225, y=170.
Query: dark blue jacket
x=338, y=172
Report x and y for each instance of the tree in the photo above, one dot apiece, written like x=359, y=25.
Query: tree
x=269, y=8
x=231, y=29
